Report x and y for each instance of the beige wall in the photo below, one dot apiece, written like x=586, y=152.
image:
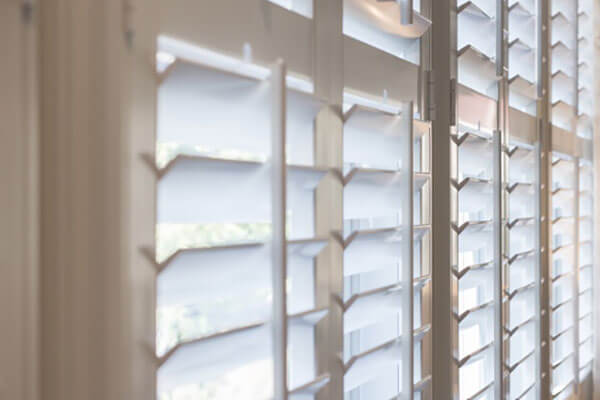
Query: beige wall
x=19, y=216
x=97, y=199
x=75, y=291
x=70, y=228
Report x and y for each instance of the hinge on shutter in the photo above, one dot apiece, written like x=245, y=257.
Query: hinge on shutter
x=453, y=102
x=430, y=95
x=27, y=11
x=128, y=30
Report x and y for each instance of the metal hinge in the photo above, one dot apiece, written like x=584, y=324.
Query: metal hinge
x=27, y=11
x=128, y=29
x=430, y=96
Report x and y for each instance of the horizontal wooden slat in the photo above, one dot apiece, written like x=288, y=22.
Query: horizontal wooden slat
x=371, y=71
x=476, y=109
x=523, y=126
x=272, y=31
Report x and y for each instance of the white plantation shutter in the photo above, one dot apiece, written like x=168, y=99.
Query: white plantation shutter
x=586, y=271
x=216, y=285
x=498, y=205
x=383, y=257
x=294, y=200
x=239, y=292
x=386, y=223
x=564, y=277
x=308, y=199
x=564, y=202
x=522, y=269
x=476, y=186
x=585, y=200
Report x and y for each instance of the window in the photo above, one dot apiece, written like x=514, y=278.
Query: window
x=307, y=199
x=218, y=252
x=295, y=234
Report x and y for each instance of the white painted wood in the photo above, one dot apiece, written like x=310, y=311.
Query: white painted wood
x=444, y=336
x=142, y=184
x=596, y=204
x=498, y=283
x=266, y=27
x=408, y=346
x=278, y=238
x=329, y=84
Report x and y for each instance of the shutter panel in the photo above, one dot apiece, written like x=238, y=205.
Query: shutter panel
x=386, y=211
x=585, y=210
x=563, y=275
x=522, y=270
x=475, y=174
x=563, y=293
x=215, y=235
x=586, y=271
x=382, y=276
x=294, y=199
x=234, y=319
